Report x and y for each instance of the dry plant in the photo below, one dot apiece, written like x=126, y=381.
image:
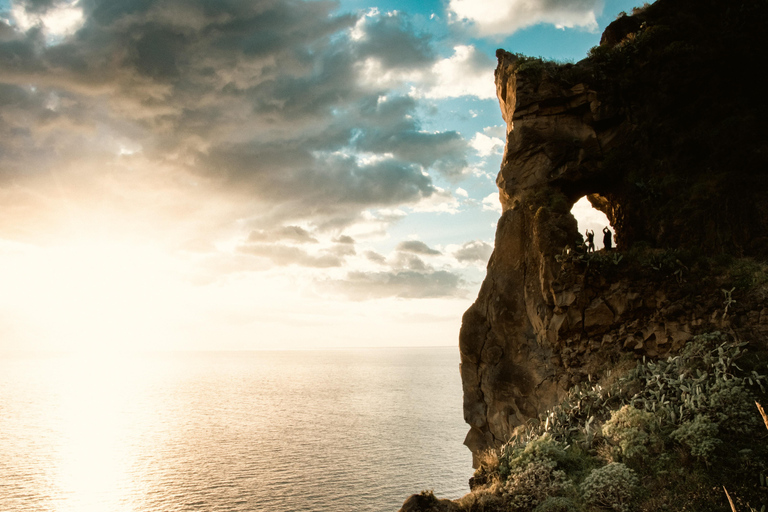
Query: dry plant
x=762, y=413
x=733, y=507
x=765, y=420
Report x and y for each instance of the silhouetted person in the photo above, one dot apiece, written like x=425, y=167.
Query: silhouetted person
x=590, y=240
x=607, y=235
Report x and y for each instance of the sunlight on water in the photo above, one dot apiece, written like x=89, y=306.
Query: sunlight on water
x=335, y=431
x=93, y=466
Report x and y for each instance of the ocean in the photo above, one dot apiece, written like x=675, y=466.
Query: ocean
x=337, y=430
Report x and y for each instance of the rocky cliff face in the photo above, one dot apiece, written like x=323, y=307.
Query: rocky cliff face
x=662, y=127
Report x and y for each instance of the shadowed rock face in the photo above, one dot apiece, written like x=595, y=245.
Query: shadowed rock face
x=663, y=128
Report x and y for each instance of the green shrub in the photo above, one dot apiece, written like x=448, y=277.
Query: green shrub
x=515, y=456
x=557, y=504
x=611, y=486
x=701, y=400
x=629, y=430
x=529, y=485
x=700, y=435
x=531, y=472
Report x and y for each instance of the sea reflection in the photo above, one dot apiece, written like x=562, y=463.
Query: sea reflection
x=336, y=431
x=94, y=425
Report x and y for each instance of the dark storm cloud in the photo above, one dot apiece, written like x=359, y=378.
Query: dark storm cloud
x=416, y=247
x=260, y=99
x=404, y=284
x=474, y=251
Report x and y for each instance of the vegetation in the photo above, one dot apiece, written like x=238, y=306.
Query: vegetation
x=660, y=435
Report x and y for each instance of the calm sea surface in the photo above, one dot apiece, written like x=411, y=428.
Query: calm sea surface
x=348, y=430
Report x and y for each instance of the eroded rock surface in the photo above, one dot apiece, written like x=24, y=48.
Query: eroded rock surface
x=627, y=128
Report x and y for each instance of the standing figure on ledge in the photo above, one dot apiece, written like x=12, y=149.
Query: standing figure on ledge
x=590, y=240
x=607, y=239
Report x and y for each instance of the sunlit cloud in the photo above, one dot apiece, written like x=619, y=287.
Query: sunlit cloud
x=292, y=233
x=491, y=202
x=465, y=73
x=442, y=201
x=474, y=251
x=56, y=19
x=405, y=284
x=238, y=159
x=504, y=17
x=417, y=247
x=485, y=145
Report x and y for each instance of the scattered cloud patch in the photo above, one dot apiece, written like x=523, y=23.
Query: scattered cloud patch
x=344, y=239
x=292, y=233
x=475, y=251
x=491, y=203
x=486, y=146
x=284, y=255
x=467, y=72
x=375, y=257
x=499, y=131
x=56, y=19
x=417, y=247
x=504, y=17
x=409, y=261
x=406, y=284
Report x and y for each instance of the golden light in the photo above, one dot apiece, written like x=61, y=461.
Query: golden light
x=91, y=295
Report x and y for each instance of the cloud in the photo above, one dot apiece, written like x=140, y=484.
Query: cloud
x=344, y=239
x=467, y=72
x=405, y=261
x=342, y=250
x=485, y=145
x=416, y=247
x=56, y=18
x=476, y=250
x=375, y=257
x=504, y=17
x=404, y=284
x=292, y=233
x=392, y=40
x=257, y=103
x=491, y=202
x=283, y=255
x=387, y=127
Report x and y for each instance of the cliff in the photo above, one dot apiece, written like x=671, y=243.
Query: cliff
x=626, y=380
x=662, y=128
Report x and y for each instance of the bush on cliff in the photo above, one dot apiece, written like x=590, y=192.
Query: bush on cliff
x=664, y=434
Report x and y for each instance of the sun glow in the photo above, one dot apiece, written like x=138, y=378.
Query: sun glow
x=92, y=296
x=94, y=460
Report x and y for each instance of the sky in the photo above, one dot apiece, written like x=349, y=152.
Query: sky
x=256, y=174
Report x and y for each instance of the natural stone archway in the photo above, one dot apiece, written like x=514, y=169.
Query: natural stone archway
x=590, y=218
x=543, y=320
